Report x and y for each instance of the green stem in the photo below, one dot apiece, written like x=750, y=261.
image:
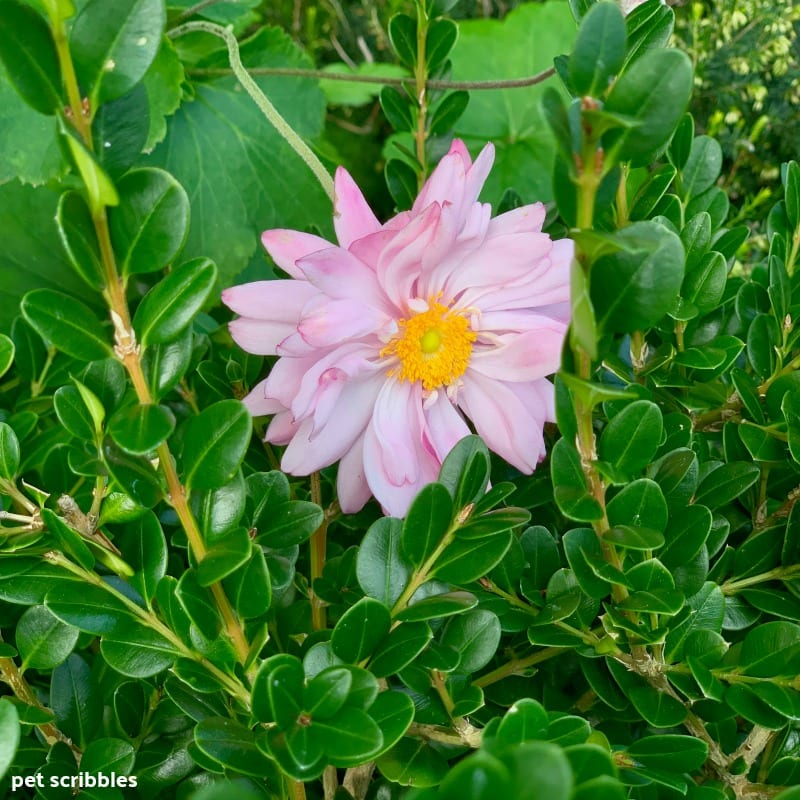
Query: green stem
x=12, y=677
x=509, y=83
x=234, y=687
x=421, y=80
x=517, y=665
x=260, y=99
x=318, y=546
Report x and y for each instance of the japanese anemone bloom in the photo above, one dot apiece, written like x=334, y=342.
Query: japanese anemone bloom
x=388, y=341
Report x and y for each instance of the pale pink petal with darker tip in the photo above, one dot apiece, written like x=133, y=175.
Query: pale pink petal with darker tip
x=507, y=425
x=286, y=247
x=258, y=404
x=523, y=356
x=277, y=301
x=352, y=217
x=351, y=480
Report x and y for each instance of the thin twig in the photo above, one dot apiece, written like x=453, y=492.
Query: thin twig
x=508, y=83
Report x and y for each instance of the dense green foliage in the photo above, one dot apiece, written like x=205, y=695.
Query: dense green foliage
x=179, y=614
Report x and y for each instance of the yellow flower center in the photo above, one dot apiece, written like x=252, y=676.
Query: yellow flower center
x=433, y=346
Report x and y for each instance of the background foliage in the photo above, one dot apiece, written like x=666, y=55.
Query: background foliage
x=623, y=623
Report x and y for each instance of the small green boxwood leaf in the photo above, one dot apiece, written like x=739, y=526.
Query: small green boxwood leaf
x=140, y=429
x=29, y=56
x=113, y=43
x=43, y=640
x=150, y=224
x=360, y=629
x=214, y=444
x=67, y=323
x=171, y=305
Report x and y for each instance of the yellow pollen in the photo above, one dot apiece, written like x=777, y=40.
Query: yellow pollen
x=433, y=347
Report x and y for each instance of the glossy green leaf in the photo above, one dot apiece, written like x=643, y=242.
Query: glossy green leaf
x=705, y=283
x=634, y=287
x=149, y=226
x=381, y=570
x=490, y=523
x=250, y=588
x=639, y=504
x=403, y=36
x=446, y=114
x=465, y=471
x=569, y=484
x=525, y=721
x=360, y=629
x=6, y=354
x=67, y=323
x=656, y=93
x=438, y=606
x=475, y=636
x=771, y=649
x=140, y=429
x=134, y=474
x=467, y=560
x=43, y=640
x=599, y=50
x=583, y=548
x=109, y=755
x=214, y=444
x=285, y=692
x=9, y=735
x=426, y=523
x=401, y=180
x=76, y=701
x=413, y=762
x=224, y=557
x=290, y=523
x=792, y=193
x=113, y=43
x=703, y=166
x=632, y=437
x=400, y=648
x=231, y=744
x=9, y=452
x=726, y=483
x=171, y=305
x=29, y=55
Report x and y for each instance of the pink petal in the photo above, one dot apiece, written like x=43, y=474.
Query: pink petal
x=523, y=356
x=395, y=458
x=342, y=276
x=496, y=263
x=328, y=322
x=526, y=219
x=313, y=448
x=351, y=481
x=400, y=263
x=286, y=247
x=258, y=336
x=352, y=217
x=274, y=301
x=281, y=428
x=286, y=376
x=328, y=376
x=510, y=425
x=445, y=426
x=258, y=404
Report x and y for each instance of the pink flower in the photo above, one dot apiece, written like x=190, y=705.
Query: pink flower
x=389, y=341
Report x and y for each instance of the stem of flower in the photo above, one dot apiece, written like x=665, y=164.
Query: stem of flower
x=260, y=99
x=421, y=80
x=318, y=545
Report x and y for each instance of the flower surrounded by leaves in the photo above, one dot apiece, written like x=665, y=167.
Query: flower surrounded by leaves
x=392, y=340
